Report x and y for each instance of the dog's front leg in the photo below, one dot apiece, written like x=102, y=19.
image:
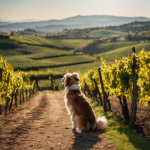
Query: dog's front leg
x=72, y=117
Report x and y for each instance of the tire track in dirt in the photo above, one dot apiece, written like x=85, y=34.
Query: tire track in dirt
x=43, y=124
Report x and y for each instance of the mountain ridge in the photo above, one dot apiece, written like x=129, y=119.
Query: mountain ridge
x=73, y=22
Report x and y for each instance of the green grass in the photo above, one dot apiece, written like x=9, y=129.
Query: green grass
x=124, y=52
x=33, y=40
x=73, y=43
x=123, y=137
x=21, y=51
x=69, y=43
x=47, y=83
x=106, y=33
x=24, y=62
x=75, y=68
x=11, y=47
x=105, y=47
x=145, y=32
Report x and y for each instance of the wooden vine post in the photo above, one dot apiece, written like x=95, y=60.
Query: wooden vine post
x=56, y=88
x=20, y=95
x=37, y=85
x=26, y=94
x=0, y=81
x=52, y=84
x=104, y=93
x=34, y=88
x=98, y=92
x=0, y=109
x=12, y=97
x=7, y=101
x=88, y=90
x=125, y=111
x=23, y=96
x=30, y=93
x=0, y=74
x=134, y=96
x=16, y=99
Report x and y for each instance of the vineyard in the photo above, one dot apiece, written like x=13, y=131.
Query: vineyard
x=128, y=78
x=21, y=84
x=44, y=117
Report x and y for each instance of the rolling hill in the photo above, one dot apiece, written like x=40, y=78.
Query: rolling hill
x=34, y=53
x=98, y=48
x=104, y=33
x=118, y=53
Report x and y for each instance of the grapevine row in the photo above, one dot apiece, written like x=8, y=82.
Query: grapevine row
x=12, y=82
x=126, y=78
x=118, y=78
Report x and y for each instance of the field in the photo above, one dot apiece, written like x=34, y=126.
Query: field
x=105, y=47
x=34, y=53
x=123, y=52
x=30, y=52
x=104, y=33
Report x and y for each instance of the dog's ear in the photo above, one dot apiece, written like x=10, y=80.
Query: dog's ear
x=76, y=76
x=67, y=80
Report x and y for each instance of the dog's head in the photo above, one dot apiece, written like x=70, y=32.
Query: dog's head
x=70, y=79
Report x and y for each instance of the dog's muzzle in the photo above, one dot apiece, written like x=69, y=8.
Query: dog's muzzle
x=62, y=79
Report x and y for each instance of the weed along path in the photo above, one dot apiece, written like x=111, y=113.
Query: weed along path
x=42, y=124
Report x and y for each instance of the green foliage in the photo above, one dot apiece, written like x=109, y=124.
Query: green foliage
x=143, y=71
x=123, y=52
x=28, y=52
x=106, y=33
x=105, y=47
x=12, y=82
x=118, y=79
x=123, y=137
x=41, y=75
x=35, y=41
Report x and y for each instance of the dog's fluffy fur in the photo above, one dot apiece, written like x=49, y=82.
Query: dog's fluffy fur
x=78, y=106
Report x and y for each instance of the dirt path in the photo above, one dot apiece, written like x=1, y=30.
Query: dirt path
x=42, y=124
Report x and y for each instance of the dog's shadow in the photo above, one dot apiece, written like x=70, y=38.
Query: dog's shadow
x=85, y=140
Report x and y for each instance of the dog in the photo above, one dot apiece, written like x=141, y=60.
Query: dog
x=79, y=109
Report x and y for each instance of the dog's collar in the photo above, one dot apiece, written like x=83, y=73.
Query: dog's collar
x=73, y=87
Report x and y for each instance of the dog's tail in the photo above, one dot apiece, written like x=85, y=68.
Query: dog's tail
x=101, y=123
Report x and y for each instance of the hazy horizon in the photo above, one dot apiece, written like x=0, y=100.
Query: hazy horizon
x=30, y=19
x=17, y=10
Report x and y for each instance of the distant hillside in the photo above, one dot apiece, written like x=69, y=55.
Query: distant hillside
x=4, y=23
x=104, y=32
x=34, y=53
x=98, y=48
x=118, y=53
x=79, y=22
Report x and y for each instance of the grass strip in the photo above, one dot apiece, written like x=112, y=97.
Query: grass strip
x=122, y=136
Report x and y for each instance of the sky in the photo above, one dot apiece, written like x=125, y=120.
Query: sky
x=60, y=9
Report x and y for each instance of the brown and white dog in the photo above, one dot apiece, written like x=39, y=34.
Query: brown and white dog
x=78, y=106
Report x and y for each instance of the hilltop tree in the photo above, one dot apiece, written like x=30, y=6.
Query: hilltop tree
x=12, y=33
